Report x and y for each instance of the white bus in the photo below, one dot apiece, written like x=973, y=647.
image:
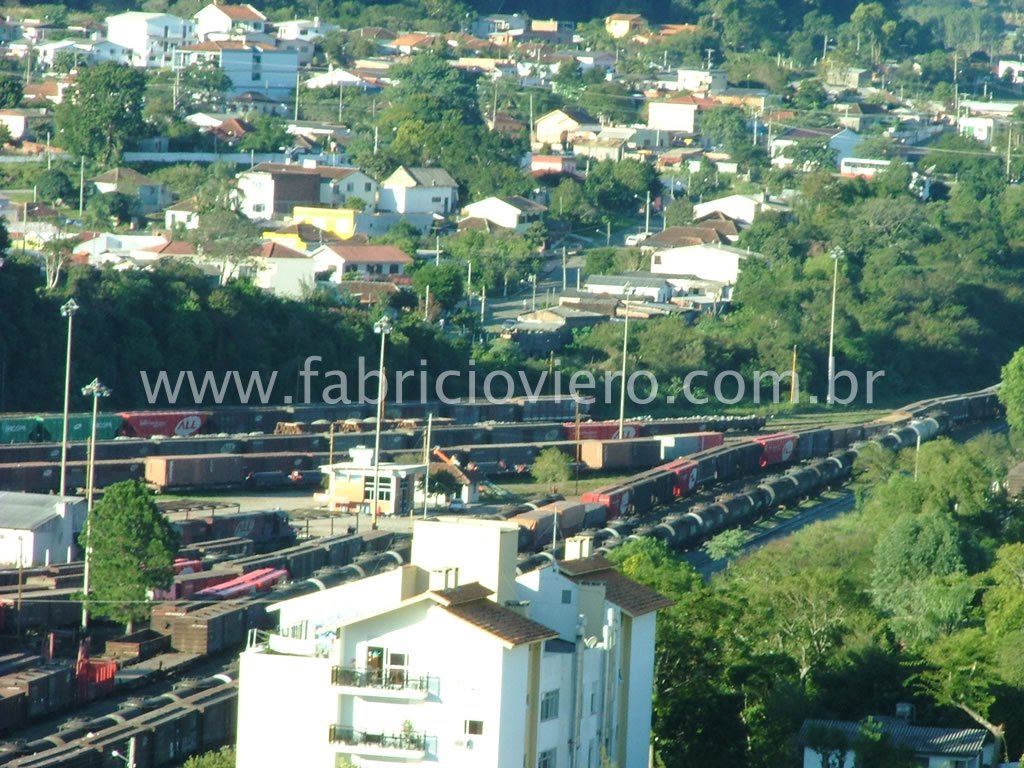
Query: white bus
x=862, y=167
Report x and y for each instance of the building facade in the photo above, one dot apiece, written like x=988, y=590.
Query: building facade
x=152, y=38
x=453, y=660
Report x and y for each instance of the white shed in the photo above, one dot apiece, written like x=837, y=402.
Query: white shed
x=38, y=529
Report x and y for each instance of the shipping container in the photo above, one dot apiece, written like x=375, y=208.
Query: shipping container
x=779, y=448
x=600, y=430
x=640, y=453
x=195, y=471
x=164, y=423
x=677, y=446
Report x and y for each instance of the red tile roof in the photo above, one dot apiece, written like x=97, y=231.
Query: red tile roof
x=371, y=254
x=504, y=623
x=173, y=248
x=240, y=12
x=632, y=597
x=272, y=250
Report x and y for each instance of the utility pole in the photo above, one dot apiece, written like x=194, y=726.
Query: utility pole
x=531, y=118
x=81, y=187
x=483, y=303
x=341, y=99
x=297, y=84
x=426, y=306
x=494, y=106
x=426, y=460
x=1009, y=143
x=709, y=51
x=647, y=214
x=376, y=139
x=177, y=87
x=565, y=276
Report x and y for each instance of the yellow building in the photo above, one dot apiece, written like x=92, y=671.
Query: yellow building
x=312, y=227
x=619, y=25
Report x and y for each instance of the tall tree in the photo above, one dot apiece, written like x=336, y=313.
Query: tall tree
x=133, y=548
x=103, y=112
x=1011, y=393
x=551, y=467
x=11, y=91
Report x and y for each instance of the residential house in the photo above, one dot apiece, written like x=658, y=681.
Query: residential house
x=842, y=141
x=616, y=142
x=254, y=102
x=653, y=288
x=609, y=147
x=456, y=660
x=678, y=115
x=381, y=261
x=1011, y=69
x=860, y=115
x=704, y=80
x=707, y=261
x=543, y=331
x=217, y=21
x=82, y=51
x=182, y=214
x=512, y=212
x=410, y=43
x=39, y=529
x=560, y=125
x=281, y=270
x=303, y=29
x=503, y=122
x=553, y=165
x=847, y=77
x=741, y=209
x=674, y=237
x=508, y=27
x=111, y=248
x=272, y=190
x=368, y=292
x=930, y=747
x=150, y=195
x=251, y=66
x=620, y=25
x=553, y=31
x=419, y=190
x=341, y=79
x=339, y=185
x=152, y=38
x=24, y=123
x=335, y=223
x=981, y=128
x=50, y=90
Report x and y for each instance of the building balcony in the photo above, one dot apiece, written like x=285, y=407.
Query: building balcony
x=390, y=684
x=406, y=746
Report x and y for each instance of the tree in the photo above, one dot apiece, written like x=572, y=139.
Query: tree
x=54, y=186
x=225, y=237
x=551, y=467
x=725, y=127
x=11, y=91
x=56, y=254
x=679, y=213
x=106, y=208
x=269, y=134
x=445, y=283
x=221, y=758
x=103, y=112
x=1011, y=393
x=809, y=95
x=726, y=545
x=133, y=547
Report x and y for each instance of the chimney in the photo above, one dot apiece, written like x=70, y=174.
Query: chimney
x=579, y=547
x=444, y=578
x=361, y=456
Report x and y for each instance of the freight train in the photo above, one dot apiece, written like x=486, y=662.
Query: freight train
x=810, y=461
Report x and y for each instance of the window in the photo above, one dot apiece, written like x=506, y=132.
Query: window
x=547, y=759
x=474, y=727
x=258, y=208
x=593, y=698
x=549, y=706
x=435, y=199
x=367, y=186
x=566, y=597
x=393, y=269
x=348, y=187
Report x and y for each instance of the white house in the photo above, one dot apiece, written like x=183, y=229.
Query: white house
x=676, y=115
x=150, y=195
x=281, y=270
x=251, y=66
x=39, y=529
x=183, y=213
x=739, y=208
x=830, y=743
x=152, y=38
x=303, y=29
x=978, y=127
x=710, y=80
x=272, y=190
x=220, y=22
x=842, y=141
x=513, y=212
x=359, y=260
x=453, y=660
x=83, y=51
x=655, y=289
x=419, y=190
x=338, y=184
x=560, y=125
x=707, y=261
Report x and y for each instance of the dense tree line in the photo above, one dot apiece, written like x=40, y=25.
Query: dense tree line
x=916, y=597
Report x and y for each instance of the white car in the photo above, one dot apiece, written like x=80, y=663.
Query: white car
x=457, y=505
x=634, y=240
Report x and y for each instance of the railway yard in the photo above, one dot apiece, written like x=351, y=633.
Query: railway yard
x=251, y=536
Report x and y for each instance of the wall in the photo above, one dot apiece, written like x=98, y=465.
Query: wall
x=483, y=551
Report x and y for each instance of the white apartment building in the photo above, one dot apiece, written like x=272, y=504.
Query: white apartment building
x=419, y=190
x=152, y=38
x=259, y=67
x=221, y=22
x=452, y=660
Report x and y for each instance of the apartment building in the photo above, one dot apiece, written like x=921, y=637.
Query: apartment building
x=453, y=660
x=152, y=38
x=250, y=66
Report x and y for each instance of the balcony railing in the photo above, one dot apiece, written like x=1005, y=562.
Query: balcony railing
x=392, y=679
x=407, y=741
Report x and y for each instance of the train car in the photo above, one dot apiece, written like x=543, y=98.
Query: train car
x=776, y=449
x=677, y=446
x=19, y=429
x=601, y=430
x=163, y=423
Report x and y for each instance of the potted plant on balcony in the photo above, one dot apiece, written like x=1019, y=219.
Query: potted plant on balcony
x=411, y=739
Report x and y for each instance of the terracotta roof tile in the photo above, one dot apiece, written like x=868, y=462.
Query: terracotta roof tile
x=272, y=250
x=467, y=593
x=240, y=12
x=371, y=254
x=632, y=597
x=504, y=623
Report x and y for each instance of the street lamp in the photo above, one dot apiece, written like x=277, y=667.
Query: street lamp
x=67, y=310
x=130, y=759
x=95, y=390
x=383, y=328
x=627, y=290
x=836, y=254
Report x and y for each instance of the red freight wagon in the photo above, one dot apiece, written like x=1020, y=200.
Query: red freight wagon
x=777, y=449
x=601, y=430
x=686, y=475
x=185, y=565
x=164, y=423
x=616, y=498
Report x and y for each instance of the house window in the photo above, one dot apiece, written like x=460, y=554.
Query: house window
x=474, y=727
x=593, y=699
x=258, y=208
x=435, y=199
x=393, y=269
x=367, y=186
x=348, y=187
x=566, y=597
x=549, y=706
x=548, y=759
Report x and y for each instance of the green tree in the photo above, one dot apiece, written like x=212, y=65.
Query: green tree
x=102, y=112
x=679, y=213
x=445, y=282
x=725, y=127
x=54, y=186
x=221, y=758
x=226, y=238
x=104, y=209
x=726, y=545
x=11, y=92
x=1011, y=393
x=551, y=467
x=133, y=548
x=269, y=134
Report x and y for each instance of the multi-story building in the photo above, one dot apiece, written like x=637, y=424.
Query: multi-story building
x=251, y=66
x=452, y=660
x=222, y=22
x=419, y=190
x=152, y=38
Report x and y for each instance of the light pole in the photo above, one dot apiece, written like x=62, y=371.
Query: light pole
x=836, y=254
x=625, y=343
x=67, y=310
x=382, y=327
x=96, y=390
x=130, y=759
x=647, y=214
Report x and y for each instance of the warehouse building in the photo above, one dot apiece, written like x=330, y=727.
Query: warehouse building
x=38, y=529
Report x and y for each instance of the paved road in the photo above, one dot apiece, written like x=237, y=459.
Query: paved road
x=826, y=510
